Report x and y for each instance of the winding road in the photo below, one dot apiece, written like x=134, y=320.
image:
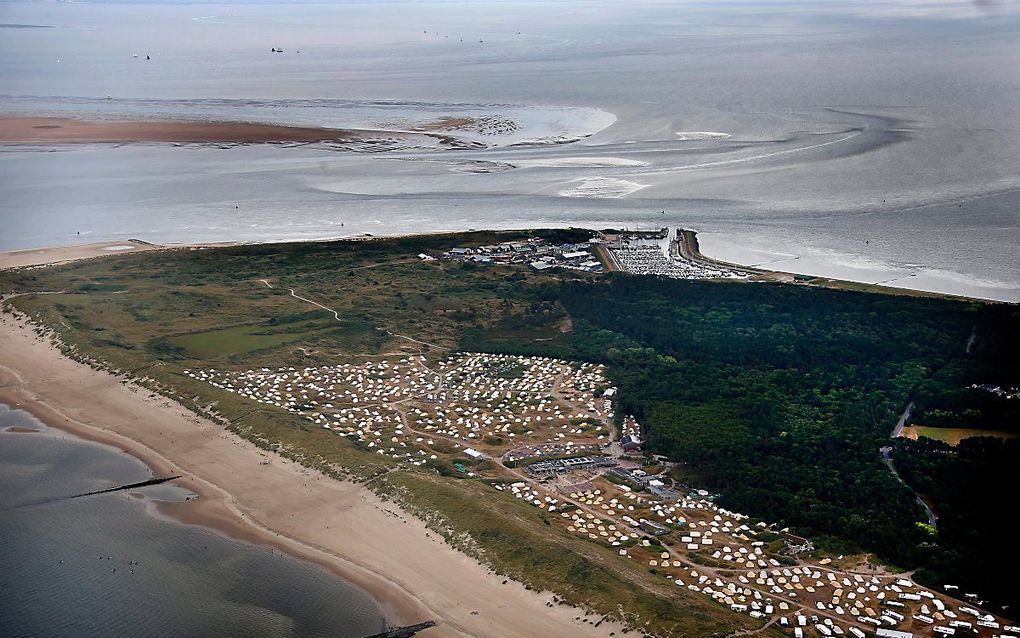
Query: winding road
x=897, y=432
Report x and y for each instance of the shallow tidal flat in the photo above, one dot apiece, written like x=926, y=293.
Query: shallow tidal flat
x=108, y=565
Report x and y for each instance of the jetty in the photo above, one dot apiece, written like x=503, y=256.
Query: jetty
x=153, y=481
x=404, y=632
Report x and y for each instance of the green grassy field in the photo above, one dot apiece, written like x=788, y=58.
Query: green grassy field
x=243, y=339
x=953, y=436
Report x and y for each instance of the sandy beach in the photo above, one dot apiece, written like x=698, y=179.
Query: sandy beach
x=59, y=130
x=62, y=254
x=341, y=526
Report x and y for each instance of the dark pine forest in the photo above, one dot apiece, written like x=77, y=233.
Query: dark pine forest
x=780, y=397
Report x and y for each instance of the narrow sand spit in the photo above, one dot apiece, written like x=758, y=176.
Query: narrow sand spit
x=59, y=130
x=338, y=525
x=42, y=256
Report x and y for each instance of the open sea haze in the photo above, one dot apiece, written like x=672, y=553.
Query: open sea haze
x=874, y=141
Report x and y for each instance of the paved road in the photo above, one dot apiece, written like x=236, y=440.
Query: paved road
x=933, y=519
x=898, y=430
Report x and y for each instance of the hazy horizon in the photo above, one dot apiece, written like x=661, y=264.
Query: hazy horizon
x=847, y=139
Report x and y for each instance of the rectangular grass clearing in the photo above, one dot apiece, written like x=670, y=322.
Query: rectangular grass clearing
x=243, y=339
x=953, y=436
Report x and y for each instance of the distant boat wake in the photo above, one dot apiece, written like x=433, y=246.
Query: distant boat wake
x=131, y=486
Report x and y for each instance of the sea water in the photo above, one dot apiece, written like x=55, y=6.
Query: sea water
x=873, y=141
x=104, y=565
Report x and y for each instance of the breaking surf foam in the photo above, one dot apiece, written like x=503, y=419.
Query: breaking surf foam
x=570, y=162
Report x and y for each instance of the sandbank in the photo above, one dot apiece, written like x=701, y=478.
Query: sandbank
x=62, y=254
x=62, y=130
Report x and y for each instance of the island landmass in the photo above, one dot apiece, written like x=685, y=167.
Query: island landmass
x=457, y=422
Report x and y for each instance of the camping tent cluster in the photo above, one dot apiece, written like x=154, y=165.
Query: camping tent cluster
x=495, y=400
x=747, y=576
x=398, y=407
x=402, y=408
x=595, y=528
x=323, y=389
x=560, y=449
x=528, y=494
x=351, y=399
